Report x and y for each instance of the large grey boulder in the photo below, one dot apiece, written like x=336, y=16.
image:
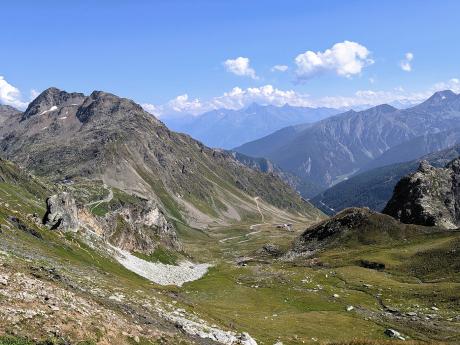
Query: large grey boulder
x=61, y=212
x=430, y=196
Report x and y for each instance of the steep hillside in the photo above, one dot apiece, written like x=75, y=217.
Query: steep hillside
x=264, y=165
x=73, y=284
x=66, y=136
x=415, y=148
x=227, y=128
x=335, y=148
x=374, y=188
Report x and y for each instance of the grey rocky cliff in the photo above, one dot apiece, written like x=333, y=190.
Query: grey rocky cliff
x=430, y=196
x=136, y=228
x=61, y=212
x=140, y=229
x=50, y=99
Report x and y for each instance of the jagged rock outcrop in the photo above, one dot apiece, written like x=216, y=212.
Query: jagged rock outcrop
x=140, y=229
x=61, y=213
x=430, y=196
x=49, y=101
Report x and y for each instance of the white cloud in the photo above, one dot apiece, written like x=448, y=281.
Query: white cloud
x=240, y=66
x=238, y=98
x=153, y=109
x=10, y=95
x=453, y=84
x=182, y=102
x=33, y=94
x=279, y=68
x=406, y=63
x=345, y=59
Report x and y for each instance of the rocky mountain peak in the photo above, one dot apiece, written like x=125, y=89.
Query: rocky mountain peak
x=425, y=166
x=384, y=108
x=102, y=104
x=440, y=98
x=51, y=100
x=430, y=196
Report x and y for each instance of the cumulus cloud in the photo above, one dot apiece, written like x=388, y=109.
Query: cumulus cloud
x=10, y=95
x=183, y=103
x=279, y=68
x=345, y=59
x=240, y=66
x=238, y=98
x=406, y=63
x=452, y=84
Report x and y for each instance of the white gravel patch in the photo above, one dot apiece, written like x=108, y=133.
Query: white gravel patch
x=201, y=329
x=160, y=273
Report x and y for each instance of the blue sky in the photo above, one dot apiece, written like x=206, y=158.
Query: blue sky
x=154, y=51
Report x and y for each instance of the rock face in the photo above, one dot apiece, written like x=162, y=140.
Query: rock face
x=141, y=228
x=430, y=196
x=61, y=213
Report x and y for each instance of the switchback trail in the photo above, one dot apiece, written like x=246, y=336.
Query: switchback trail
x=107, y=199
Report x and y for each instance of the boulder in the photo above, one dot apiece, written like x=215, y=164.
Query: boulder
x=394, y=334
x=61, y=213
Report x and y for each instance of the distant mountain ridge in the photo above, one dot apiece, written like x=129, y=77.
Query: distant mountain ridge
x=6, y=112
x=266, y=166
x=415, y=148
x=373, y=188
x=335, y=148
x=226, y=128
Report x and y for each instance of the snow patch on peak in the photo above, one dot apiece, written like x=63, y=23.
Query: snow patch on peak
x=53, y=108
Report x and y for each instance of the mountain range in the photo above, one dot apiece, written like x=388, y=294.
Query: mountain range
x=373, y=188
x=333, y=149
x=69, y=136
x=226, y=128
